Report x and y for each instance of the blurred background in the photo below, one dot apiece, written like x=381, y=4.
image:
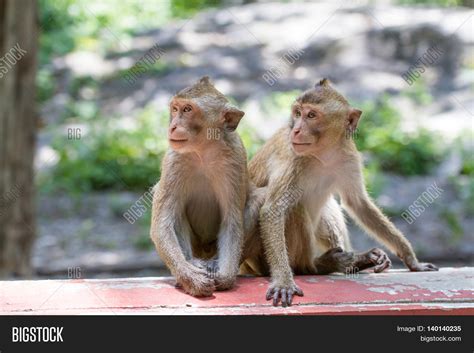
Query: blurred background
x=105, y=72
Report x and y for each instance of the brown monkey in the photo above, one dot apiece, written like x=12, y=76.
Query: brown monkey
x=198, y=206
x=302, y=166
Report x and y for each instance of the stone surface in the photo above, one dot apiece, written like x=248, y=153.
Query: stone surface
x=447, y=292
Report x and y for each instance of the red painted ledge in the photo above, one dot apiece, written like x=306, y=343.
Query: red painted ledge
x=397, y=292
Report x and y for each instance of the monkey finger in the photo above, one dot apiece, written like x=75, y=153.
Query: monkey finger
x=284, y=299
x=290, y=295
x=269, y=294
x=276, y=297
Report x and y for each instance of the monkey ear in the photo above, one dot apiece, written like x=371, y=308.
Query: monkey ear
x=353, y=118
x=205, y=80
x=323, y=82
x=231, y=117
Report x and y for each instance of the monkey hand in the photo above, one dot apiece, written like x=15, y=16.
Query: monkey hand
x=224, y=281
x=421, y=266
x=195, y=282
x=284, y=292
x=210, y=266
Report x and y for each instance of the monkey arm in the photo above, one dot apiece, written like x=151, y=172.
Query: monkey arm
x=362, y=208
x=272, y=228
x=164, y=236
x=191, y=278
x=230, y=243
x=254, y=202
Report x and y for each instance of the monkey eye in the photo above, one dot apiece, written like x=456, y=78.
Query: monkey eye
x=187, y=109
x=297, y=113
x=311, y=115
x=174, y=109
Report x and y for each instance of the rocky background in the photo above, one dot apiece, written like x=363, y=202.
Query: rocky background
x=365, y=49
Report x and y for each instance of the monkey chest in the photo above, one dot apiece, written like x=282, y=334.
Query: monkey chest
x=203, y=211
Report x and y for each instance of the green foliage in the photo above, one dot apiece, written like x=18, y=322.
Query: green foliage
x=419, y=92
x=185, y=8
x=44, y=85
x=395, y=150
x=374, y=180
x=279, y=102
x=250, y=138
x=465, y=146
x=69, y=25
x=111, y=156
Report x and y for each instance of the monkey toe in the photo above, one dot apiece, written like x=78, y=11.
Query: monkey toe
x=424, y=267
x=283, y=294
x=383, y=263
x=376, y=258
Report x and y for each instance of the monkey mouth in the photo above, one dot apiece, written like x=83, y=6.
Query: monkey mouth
x=301, y=143
x=178, y=140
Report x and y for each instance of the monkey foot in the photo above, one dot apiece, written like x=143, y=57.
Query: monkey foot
x=335, y=260
x=224, y=282
x=422, y=267
x=376, y=258
x=195, y=282
x=283, y=293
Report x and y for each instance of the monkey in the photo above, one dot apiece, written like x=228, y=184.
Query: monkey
x=204, y=200
x=301, y=226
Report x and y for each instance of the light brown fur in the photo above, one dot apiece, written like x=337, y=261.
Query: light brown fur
x=311, y=160
x=199, y=204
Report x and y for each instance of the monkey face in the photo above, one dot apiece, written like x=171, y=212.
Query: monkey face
x=320, y=118
x=186, y=124
x=200, y=116
x=307, y=125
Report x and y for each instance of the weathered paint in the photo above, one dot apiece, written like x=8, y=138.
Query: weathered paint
x=449, y=291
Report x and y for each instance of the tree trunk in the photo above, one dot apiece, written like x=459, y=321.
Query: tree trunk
x=18, y=45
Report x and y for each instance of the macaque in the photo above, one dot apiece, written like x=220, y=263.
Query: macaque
x=199, y=203
x=301, y=225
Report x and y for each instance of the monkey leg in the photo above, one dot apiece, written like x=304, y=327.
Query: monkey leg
x=252, y=261
x=333, y=236
x=338, y=260
x=255, y=199
x=332, y=230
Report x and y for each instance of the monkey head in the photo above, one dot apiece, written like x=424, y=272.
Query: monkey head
x=320, y=117
x=199, y=115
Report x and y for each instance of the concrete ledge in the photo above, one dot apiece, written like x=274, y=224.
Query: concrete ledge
x=397, y=292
